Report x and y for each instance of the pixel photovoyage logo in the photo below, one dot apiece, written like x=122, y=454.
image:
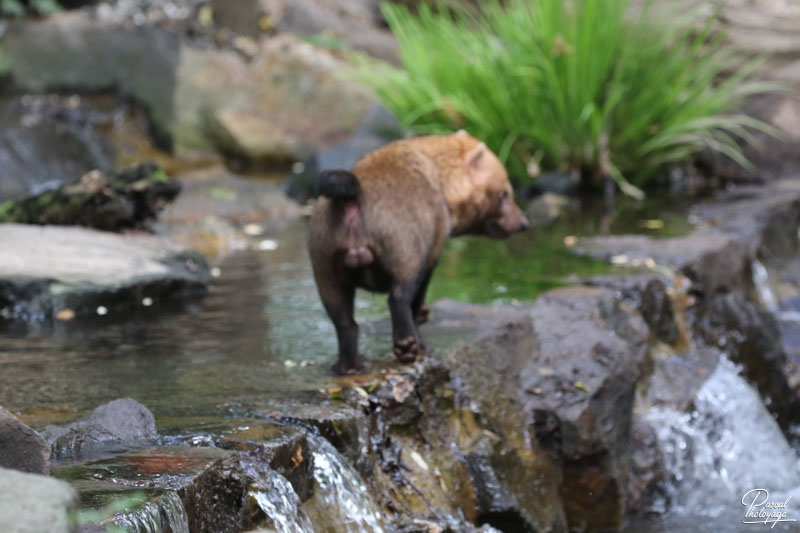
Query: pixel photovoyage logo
x=762, y=511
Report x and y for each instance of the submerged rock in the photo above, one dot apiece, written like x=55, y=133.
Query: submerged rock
x=30, y=503
x=21, y=448
x=119, y=421
x=127, y=199
x=52, y=272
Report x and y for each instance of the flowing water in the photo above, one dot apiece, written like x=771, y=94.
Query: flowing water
x=166, y=514
x=341, y=499
x=281, y=504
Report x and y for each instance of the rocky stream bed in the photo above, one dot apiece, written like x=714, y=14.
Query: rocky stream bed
x=634, y=373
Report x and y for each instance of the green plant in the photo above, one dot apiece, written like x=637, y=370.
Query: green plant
x=17, y=8
x=586, y=85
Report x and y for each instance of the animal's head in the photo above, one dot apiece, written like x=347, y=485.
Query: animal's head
x=484, y=200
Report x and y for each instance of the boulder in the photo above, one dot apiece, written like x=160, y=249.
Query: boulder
x=119, y=421
x=21, y=448
x=31, y=503
x=61, y=272
x=526, y=407
x=285, y=102
x=79, y=51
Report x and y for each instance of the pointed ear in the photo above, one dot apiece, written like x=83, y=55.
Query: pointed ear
x=475, y=161
x=462, y=133
x=474, y=158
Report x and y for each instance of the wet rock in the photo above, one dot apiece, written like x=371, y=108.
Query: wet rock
x=210, y=482
x=51, y=272
x=128, y=199
x=281, y=448
x=673, y=379
x=343, y=426
x=119, y=421
x=574, y=390
x=648, y=294
x=21, y=448
x=45, y=142
x=714, y=261
x=547, y=208
x=751, y=337
x=30, y=503
x=737, y=228
x=647, y=469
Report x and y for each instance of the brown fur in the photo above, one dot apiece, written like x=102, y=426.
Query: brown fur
x=413, y=194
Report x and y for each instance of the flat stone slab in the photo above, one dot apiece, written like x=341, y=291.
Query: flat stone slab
x=61, y=272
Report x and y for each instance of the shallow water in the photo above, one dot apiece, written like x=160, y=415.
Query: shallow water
x=261, y=337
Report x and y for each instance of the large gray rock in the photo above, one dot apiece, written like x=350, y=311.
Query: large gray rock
x=123, y=420
x=21, y=448
x=62, y=272
x=289, y=100
x=76, y=50
x=572, y=388
x=31, y=503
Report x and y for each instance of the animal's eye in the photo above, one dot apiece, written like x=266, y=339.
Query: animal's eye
x=503, y=195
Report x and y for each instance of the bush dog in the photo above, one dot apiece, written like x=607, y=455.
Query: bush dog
x=382, y=228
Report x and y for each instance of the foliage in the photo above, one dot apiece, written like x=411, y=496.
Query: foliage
x=588, y=85
x=17, y=8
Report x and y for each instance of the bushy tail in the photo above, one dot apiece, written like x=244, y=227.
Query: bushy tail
x=338, y=185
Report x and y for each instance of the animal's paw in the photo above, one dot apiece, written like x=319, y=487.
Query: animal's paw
x=343, y=367
x=423, y=314
x=408, y=350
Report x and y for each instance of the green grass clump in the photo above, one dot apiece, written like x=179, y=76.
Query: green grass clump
x=588, y=85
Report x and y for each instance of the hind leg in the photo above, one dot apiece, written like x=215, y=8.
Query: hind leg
x=418, y=307
x=338, y=302
x=407, y=341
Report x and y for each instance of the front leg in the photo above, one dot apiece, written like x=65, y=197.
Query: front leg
x=407, y=342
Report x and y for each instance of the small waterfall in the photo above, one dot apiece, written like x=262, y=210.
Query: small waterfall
x=280, y=503
x=727, y=446
x=163, y=515
x=341, y=501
